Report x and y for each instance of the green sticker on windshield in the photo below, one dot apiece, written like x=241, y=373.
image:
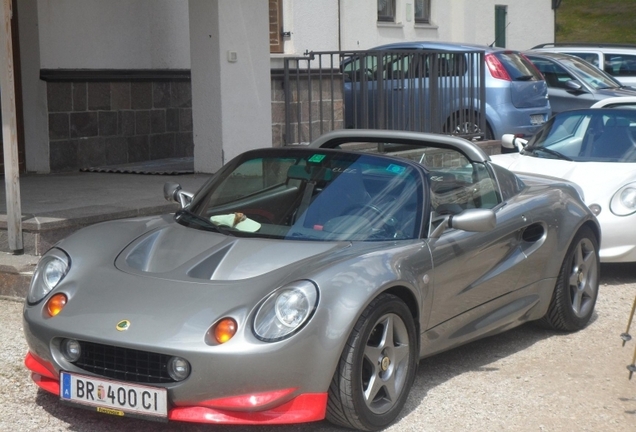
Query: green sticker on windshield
x=395, y=169
x=317, y=158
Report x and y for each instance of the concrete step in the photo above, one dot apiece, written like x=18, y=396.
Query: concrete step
x=16, y=272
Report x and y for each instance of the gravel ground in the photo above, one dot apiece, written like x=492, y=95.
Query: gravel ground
x=527, y=379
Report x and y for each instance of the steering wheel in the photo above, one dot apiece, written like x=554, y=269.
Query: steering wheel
x=388, y=227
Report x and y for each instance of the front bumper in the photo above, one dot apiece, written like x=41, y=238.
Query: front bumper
x=240, y=409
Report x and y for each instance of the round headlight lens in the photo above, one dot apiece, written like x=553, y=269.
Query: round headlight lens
x=49, y=272
x=178, y=368
x=71, y=350
x=285, y=311
x=291, y=306
x=623, y=202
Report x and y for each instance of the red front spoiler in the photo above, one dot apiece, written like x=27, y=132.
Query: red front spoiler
x=303, y=408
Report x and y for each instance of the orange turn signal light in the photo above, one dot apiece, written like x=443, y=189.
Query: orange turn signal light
x=55, y=304
x=224, y=330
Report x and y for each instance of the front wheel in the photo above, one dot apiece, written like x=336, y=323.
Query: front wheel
x=576, y=289
x=376, y=368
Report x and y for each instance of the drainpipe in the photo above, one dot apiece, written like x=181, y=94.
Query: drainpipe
x=339, y=27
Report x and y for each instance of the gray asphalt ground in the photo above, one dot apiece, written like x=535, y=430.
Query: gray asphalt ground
x=527, y=379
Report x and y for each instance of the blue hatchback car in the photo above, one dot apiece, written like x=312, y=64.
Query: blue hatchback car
x=437, y=87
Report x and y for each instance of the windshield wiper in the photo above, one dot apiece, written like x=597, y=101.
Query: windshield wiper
x=190, y=218
x=548, y=151
x=524, y=78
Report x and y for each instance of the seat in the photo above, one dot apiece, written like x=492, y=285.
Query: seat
x=615, y=141
x=344, y=192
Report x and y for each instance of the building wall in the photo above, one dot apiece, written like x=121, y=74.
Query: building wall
x=114, y=34
x=122, y=35
x=317, y=26
x=84, y=96
x=93, y=124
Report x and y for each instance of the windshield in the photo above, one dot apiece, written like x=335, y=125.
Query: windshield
x=593, y=135
x=304, y=194
x=591, y=75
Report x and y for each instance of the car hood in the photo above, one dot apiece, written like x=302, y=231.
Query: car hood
x=598, y=180
x=615, y=92
x=178, y=252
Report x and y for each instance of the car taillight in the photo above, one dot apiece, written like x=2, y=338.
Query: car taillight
x=497, y=69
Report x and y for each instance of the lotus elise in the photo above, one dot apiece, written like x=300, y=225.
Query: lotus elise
x=306, y=283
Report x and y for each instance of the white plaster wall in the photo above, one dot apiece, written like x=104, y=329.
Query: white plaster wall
x=467, y=21
x=245, y=84
x=114, y=34
x=313, y=24
x=231, y=101
x=36, y=135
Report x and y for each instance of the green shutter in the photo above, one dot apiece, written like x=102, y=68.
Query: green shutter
x=500, y=26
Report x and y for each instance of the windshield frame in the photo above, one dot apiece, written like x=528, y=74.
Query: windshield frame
x=206, y=203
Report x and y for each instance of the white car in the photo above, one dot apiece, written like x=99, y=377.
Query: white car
x=616, y=102
x=595, y=149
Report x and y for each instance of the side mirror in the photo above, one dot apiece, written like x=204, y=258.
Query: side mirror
x=574, y=85
x=172, y=192
x=510, y=141
x=472, y=220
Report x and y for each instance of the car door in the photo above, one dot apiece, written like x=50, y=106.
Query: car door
x=473, y=271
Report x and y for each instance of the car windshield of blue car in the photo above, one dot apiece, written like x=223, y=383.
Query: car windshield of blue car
x=302, y=194
x=592, y=135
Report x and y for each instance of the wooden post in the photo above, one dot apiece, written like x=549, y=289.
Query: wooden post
x=9, y=132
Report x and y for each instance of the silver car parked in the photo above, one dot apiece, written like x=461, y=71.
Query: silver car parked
x=307, y=282
x=574, y=83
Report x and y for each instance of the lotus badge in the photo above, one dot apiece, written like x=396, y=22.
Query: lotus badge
x=123, y=325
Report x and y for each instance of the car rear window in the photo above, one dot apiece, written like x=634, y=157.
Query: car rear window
x=518, y=67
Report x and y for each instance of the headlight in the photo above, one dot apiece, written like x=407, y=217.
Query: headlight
x=623, y=202
x=48, y=274
x=285, y=311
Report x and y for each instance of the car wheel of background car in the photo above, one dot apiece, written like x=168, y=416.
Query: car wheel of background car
x=456, y=126
x=376, y=368
x=576, y=289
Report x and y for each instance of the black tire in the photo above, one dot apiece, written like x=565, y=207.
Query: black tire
x=369, y=394
x=576, y=289
x=455, y=125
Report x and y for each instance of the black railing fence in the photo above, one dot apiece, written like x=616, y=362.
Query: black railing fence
x=414, y=90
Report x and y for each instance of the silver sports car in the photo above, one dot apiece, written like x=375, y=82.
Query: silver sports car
x=307, y=282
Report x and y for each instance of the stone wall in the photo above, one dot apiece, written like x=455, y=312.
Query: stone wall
x=96, y=123
x=315, y=107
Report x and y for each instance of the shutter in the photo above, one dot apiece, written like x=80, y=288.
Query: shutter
x=500, y=26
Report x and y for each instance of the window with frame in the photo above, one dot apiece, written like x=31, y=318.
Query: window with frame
x=276, y=42
x=423, y=11
x=386, y=10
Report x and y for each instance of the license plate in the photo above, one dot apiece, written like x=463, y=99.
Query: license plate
x=114, y=397
x=537, y=119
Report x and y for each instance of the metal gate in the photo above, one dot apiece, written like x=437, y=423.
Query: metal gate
x=413, y=90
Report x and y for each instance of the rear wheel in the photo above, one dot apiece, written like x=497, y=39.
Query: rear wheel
x=467, y=125
x=376, y=368
x=576, y=289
